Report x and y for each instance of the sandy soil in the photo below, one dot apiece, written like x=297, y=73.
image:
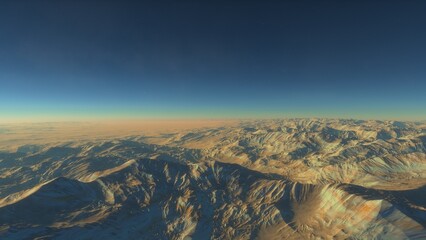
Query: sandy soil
x=18, y=134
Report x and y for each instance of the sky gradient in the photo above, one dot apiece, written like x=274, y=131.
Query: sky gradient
x=223, y=59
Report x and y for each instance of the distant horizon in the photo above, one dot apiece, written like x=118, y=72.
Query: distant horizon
x=77, y=119
x=128, y=59
x=408, y=114
x=212, y=119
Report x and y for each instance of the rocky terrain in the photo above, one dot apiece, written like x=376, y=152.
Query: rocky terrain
x=264, y=179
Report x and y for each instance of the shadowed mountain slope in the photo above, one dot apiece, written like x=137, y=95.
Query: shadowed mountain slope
x=164, y=200
x=271, y=179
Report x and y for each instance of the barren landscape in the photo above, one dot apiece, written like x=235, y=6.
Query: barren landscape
x=251, y=179
x=212, y=120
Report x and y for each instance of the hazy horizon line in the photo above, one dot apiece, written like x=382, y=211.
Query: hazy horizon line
x=53, y=119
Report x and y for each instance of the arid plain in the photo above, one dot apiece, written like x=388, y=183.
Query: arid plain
x=213, y=179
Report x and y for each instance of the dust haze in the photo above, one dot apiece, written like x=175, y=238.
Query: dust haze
x=216, y=179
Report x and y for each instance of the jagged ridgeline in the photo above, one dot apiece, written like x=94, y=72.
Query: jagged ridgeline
x=284, y=179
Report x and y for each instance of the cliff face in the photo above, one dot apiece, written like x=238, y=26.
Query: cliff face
x=293, y=179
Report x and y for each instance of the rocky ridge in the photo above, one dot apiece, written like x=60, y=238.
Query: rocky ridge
x=292, y=179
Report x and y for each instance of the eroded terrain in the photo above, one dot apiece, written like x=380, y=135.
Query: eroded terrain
x=265, y=179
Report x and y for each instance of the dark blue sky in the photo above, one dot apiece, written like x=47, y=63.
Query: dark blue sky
x=361, y=59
